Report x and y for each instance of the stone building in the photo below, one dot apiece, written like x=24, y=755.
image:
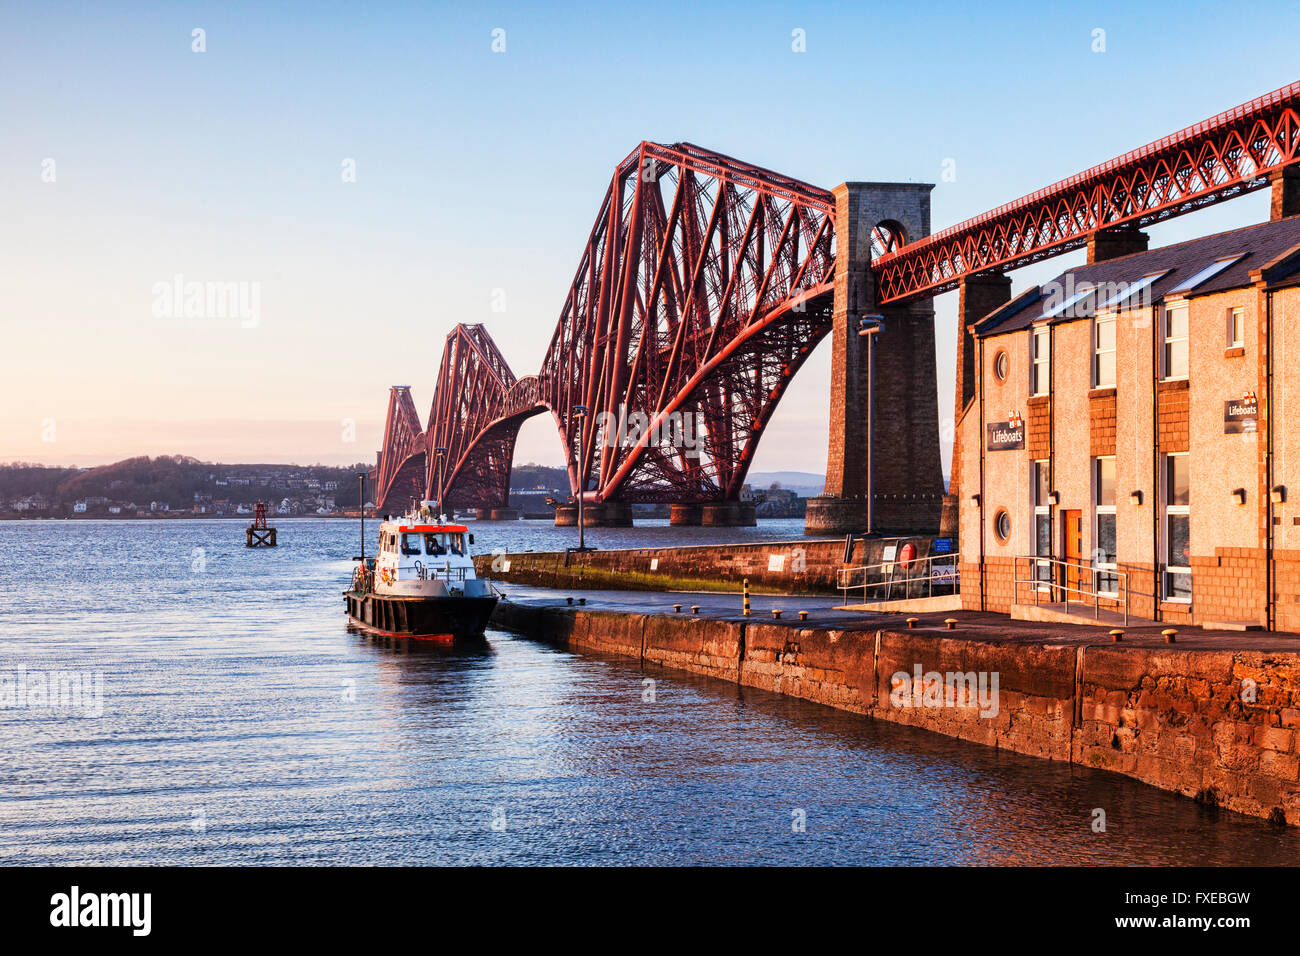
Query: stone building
x=1130, y=434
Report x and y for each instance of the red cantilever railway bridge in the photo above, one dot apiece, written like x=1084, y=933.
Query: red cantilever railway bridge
x=706, y=283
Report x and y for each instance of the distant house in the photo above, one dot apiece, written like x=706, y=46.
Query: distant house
x=79, y=508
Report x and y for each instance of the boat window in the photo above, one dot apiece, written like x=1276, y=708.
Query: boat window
x=411, y=544
x=434, y=547
x=457, y=544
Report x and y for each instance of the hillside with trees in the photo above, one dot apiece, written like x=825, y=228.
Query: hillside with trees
x=172, y=484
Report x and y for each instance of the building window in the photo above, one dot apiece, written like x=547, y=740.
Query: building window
x=1002, y=526
x=1236, y=328
x=1177, y=540
x=1041, y=483
x=1175, y=338
x=1103, y=497
x=1001, y=366
x=1040, y=355
x=1103, y=344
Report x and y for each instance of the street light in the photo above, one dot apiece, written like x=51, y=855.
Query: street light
x=869, y=326
x=581, y=412
x=441, y=453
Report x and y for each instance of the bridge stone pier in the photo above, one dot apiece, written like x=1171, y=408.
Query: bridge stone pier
x=908, y=475
x=595, y=514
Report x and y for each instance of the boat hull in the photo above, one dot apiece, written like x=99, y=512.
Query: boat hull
x=424, y=618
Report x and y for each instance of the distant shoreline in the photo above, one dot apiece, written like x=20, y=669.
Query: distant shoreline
x=175, y=516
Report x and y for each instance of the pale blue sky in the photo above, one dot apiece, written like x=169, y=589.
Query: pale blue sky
x=478, y=171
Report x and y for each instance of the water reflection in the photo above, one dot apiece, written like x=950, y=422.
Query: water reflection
x=243, y=723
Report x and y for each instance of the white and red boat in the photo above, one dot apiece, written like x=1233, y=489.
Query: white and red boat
x=422, y=583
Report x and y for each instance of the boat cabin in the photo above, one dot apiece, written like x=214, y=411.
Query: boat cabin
x=419, y=558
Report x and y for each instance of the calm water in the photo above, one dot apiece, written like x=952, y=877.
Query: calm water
x=243, y=723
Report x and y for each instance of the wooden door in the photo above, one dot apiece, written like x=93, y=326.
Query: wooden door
x=1072, y=530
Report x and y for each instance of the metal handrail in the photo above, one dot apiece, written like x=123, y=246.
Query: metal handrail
x=889, y=577
x=435, y=573
x=1054, y=585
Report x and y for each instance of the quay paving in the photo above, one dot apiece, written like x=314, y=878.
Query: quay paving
x=824, y=614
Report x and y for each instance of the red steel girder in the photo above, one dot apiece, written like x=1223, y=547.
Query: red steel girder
x=465, y=421
x=400, y=475
x=693, y=253
x=706, y=281
x=1223, y=157
x=703, y=286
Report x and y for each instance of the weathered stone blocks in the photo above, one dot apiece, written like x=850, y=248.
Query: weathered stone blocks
x=1219, y=726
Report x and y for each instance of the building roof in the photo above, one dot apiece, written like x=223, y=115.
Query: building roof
x=1197, y=267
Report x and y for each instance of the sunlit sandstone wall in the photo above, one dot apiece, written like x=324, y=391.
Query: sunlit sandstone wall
x=1286, y=453
x=1006, y=473
x=1219, y=726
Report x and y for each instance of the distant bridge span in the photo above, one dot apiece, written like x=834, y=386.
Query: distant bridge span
x=706, y=282
x=702, y=289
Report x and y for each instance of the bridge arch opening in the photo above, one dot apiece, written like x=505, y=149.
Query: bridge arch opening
x=887, y=236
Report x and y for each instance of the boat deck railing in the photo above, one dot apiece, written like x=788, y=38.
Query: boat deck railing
x=446, y=573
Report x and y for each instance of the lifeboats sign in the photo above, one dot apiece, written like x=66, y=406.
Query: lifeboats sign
x=1241, y=415
x=1004, y=436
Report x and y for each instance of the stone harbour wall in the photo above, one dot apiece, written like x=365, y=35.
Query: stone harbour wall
x=779, y=567
x=1220, y=726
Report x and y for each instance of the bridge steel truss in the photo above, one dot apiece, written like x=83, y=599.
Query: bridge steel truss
x=1221, y=158
x=703, y=287
x=705, y=284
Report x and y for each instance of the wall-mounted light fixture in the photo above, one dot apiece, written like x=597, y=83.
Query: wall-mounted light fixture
x=1053, y=497
x=1278, y=494
x=1135, y=498
x=1239, y=496
x=975, y=500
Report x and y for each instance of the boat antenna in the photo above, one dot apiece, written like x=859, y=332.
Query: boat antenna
x=361, y=478
x=441, y=452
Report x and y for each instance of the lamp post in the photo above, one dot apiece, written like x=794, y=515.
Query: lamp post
x=441, y=453
x=868, y=328
x=581, y=412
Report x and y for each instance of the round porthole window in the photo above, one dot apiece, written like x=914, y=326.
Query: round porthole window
x=1002, y=525
x=1001, y=366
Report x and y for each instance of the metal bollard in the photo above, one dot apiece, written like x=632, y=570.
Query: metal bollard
x=803, y=615
x=1117, y=635
x=677, y=608
x=744, y=589
x=950, y=622
x=911, y=622
x=776, y=614
x=1170, y=634
x=695, y=609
